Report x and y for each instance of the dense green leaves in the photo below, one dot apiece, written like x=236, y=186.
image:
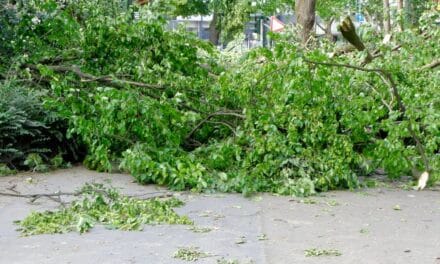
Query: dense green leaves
x=169, y=109
x=29, y=134
x=105, y=206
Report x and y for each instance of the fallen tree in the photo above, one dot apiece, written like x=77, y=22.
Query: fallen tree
x=162, y=106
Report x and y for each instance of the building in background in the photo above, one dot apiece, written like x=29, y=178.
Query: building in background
x=199, y=25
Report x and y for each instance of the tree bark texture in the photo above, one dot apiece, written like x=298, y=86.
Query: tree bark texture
x=401, y=14
x=386, y=17
x=305, y=17
x=214, y=32
x=142, y=2
x=328, y=30
x=348, y=31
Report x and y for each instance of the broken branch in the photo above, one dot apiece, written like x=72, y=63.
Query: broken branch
x=389, y=81
x=348, y=31
x=56, y=196
x=431, y=65
x=106, y=79
x=206, y=119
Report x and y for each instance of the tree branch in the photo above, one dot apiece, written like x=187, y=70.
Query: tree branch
x=431, y=65
x=384, y=102
x=56, y=196
x=37, y=196
x=223, y=123
x=206, y=119
x=106, y=79
x=389, y=81
x=348, y=31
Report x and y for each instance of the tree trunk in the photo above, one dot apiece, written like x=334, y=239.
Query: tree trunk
x=400, y=14
x=214, y=32
x=142, y=2
x=369, y=18
x=386, y=17
x=328, y=30
x=305, y=17
x=409, y=16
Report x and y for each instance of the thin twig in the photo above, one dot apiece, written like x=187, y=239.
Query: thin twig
x=107, y=79
x=222, y=123
x=280, y=68
x=150, y=196
x=384, y=102
x=56, y=196
x=206, y=119
x=12, y=188
x=40, y=195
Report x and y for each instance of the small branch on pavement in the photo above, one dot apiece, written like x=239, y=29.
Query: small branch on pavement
x=56, y=196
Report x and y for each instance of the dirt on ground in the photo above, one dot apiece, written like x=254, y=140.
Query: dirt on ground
x=381, y=225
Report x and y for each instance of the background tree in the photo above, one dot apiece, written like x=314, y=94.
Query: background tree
x=386, y=17
x=329, y=11
x=305, y=17
x=229, y=17
x=400, y=12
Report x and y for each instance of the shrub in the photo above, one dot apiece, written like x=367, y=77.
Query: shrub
x=27, y=130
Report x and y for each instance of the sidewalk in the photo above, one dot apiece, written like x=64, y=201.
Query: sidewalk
x=366, y=226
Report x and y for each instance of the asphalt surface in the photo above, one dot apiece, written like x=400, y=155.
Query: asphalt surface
x=382, y=225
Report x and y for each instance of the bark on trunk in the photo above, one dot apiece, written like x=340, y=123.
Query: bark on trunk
x=305, y=17
x=214, y=32
x=142, y=2
x=401, y=14
x=328, y=30
x=409, y=12
x=386, y=17
x=348, y=31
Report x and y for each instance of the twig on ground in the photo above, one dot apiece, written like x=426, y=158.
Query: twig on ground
x=56, y=196
x=12, y=188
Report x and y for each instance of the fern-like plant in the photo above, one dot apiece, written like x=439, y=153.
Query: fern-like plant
x=26, y=127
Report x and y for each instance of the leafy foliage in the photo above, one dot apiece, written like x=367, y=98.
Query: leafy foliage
x=5, y=170
x=169, y=109
x=190, y=254
x=35, y=162
x=27, y=130
x=314, y=252
x=106, y=206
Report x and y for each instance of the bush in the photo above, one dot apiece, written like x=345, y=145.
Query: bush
x=27, y=129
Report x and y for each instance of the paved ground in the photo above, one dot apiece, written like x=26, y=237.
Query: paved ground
x=364, y=226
